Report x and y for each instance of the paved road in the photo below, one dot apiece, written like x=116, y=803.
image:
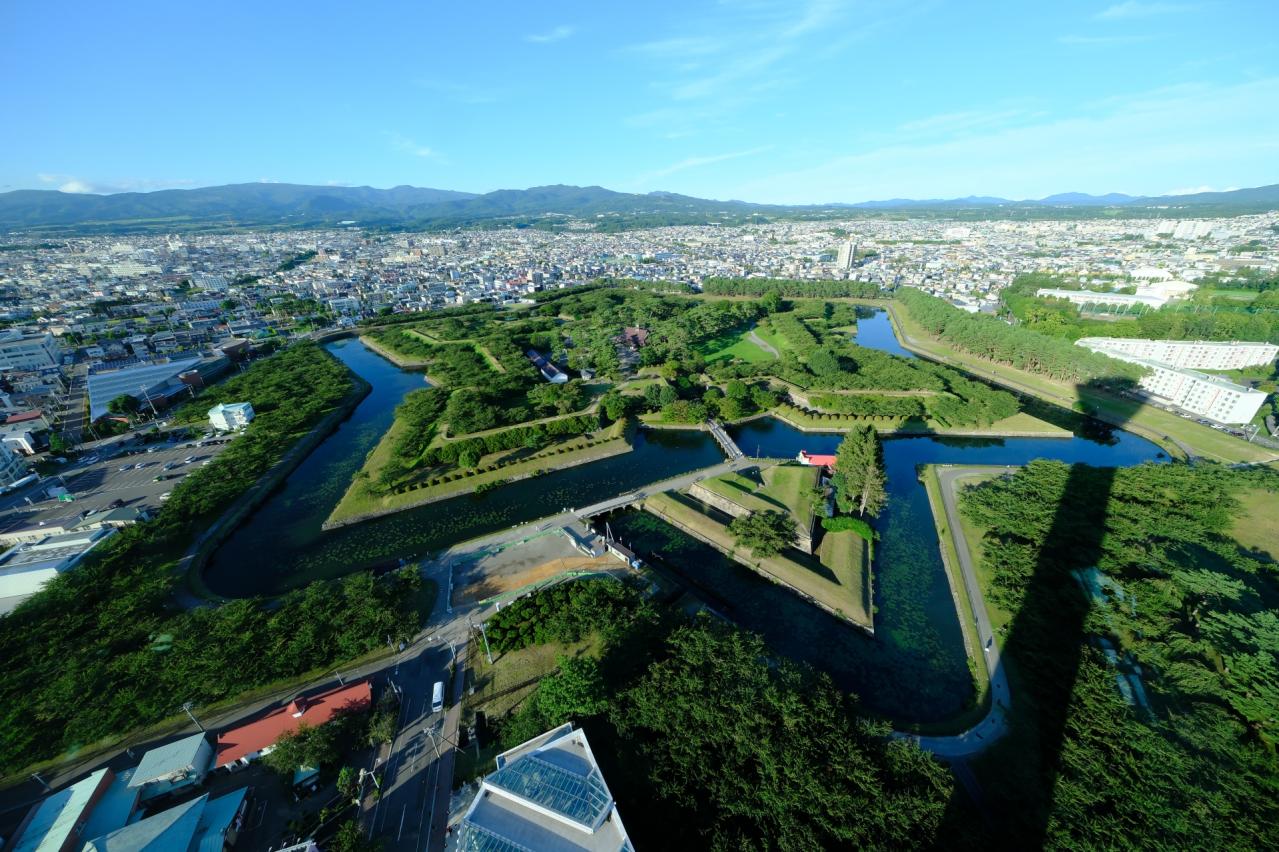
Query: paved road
x=979, y=736
x=408, y=815
x=71, y=416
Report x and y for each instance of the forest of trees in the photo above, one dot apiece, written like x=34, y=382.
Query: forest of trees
x=1148, y=718
x=994, y=340
x=790, y=288
x=105, y=649
x=709, y=741
x=1220, y=319
x=821, y=357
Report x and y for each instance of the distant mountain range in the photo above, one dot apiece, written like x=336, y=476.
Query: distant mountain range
x=277, y=205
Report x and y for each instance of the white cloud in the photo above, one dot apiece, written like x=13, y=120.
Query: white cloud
x=1103, y=41
x=1134, y=9
x=680, y=46
x=563, y=31
x=403, y=143
x=1195, y=190
x=1134, y=145
x=82, y=186
x=697, y=162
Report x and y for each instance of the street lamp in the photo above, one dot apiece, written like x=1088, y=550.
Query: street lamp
x=187, y=707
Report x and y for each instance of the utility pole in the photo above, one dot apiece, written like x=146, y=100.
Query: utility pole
x=484, y=633
x=147, y=397
x=431, y=733
x=187, y=707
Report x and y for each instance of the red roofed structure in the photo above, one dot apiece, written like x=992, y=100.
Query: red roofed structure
x=248, y=742
x=816, y=460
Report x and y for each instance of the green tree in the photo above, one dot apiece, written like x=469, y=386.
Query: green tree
x=575, y=691
x=859, y=473
x=125, y=405
x=350, y=837
x=794, y=766
x=307, y=746
x=765, y=533
x=348, y=782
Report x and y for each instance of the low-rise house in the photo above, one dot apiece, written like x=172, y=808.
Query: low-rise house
x=179, y=764
x=242, y=745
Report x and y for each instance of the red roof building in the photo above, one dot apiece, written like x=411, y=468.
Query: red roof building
x=248, y=742
x=816, y=460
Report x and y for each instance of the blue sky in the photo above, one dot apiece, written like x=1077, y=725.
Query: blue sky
x=796, y=101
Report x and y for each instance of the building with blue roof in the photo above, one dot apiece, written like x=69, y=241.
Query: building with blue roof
x=57, y=823
x=200, y=825
x=173, y=766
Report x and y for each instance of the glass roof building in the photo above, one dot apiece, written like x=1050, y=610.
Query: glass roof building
x=546, y=794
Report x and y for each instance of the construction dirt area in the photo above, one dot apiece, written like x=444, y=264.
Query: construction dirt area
x=487, y=573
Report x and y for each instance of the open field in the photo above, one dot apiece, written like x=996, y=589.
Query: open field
x=1257, y=525
x=843, y=595
x=1160, y=426
x=734, y=344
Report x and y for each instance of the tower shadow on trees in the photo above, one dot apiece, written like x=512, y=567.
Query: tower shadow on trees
x=1013, y=784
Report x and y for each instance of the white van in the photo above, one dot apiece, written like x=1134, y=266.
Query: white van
x=437, y=697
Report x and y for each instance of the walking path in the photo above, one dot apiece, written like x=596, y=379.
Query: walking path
x=979, y=736
x=762, y=343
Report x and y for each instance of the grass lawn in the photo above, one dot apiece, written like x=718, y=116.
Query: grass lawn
x=422, y=335
x=1238, y=295
x=1257, y=525
x=766, y=333
x=845, y=553
x=635, y=387
x=802, y=573
x=1154, y=423
x=734, y=344
x=783, y=487
x=503, y=686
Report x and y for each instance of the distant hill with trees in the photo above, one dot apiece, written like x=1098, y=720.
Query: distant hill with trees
x=282, y=205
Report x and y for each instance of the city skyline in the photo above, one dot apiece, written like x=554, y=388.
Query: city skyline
x=760, y=101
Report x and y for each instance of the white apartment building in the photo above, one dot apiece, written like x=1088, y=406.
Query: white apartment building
x=1198, y=393
x=1190, y=354
x=28, y=351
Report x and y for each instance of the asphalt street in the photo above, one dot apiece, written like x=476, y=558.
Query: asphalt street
x=411, y=814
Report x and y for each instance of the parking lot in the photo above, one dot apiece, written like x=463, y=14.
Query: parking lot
x=104, y=482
